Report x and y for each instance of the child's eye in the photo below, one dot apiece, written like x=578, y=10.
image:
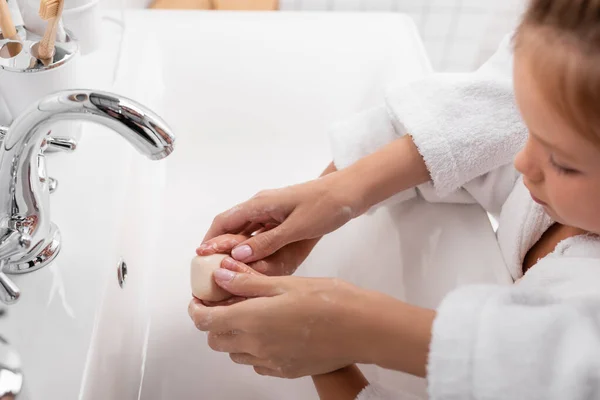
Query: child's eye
x=561, y=169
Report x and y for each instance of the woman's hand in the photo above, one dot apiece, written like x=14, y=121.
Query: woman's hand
x=292, y=327
x=313, y=209
x=300, y=327
x=281, y=217
x=284, y=261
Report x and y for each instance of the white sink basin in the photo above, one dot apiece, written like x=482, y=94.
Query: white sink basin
x=250, y=98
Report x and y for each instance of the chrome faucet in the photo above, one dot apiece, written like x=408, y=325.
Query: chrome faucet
x=28, y=238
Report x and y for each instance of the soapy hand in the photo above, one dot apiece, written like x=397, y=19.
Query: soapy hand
x=284, y=261
x=288, y=215
x=288, y=326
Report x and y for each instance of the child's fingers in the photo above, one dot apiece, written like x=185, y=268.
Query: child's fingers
x=252, y=228
x=228, y=302
x=275, y=265
x=261, y=228
x=249, y=359
x=236, y=266
x=220, y=244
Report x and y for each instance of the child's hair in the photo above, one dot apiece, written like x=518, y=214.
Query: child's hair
x=562, y=40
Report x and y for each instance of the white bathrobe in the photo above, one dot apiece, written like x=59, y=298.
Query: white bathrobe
x=538, y=339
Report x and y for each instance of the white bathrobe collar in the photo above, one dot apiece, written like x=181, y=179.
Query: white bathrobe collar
x=522, y=223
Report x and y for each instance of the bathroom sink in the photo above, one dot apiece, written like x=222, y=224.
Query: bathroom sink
x=250, y=97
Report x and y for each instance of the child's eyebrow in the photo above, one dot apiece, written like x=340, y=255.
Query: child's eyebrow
x=542, y=141
x=549, y=145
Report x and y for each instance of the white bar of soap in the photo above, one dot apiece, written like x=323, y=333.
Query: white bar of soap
x=204, y=286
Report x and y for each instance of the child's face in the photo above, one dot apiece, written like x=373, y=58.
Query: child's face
x=560, y=167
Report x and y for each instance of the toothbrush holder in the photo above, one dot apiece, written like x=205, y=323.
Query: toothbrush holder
x=24, y=78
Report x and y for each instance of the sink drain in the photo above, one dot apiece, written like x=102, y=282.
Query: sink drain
x=122, y=272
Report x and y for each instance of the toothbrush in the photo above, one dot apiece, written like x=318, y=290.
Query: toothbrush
x=49, y=10
x=6, y=23
x=8, y=30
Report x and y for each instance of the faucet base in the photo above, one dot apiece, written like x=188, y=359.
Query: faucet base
x=48, y=252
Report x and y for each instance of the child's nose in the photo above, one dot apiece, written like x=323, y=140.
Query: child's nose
x=527, y=163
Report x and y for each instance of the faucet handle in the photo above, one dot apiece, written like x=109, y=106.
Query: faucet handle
x=13, y=243
x=59, y=143
x=52, y=186
x=52, y=182
x=9, y=292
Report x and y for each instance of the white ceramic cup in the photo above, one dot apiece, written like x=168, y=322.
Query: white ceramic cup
x=21, y=85
x=82, y=17
x=21, y=89
x=5, y=117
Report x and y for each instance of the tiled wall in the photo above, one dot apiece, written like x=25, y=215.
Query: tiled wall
x=458, y=34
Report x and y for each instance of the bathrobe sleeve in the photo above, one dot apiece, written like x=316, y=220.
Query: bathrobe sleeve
x=539, y=339
x=376, y=391
x=466, y=127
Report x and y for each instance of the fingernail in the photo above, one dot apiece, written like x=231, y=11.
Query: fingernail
x=224, y=275
x=228, y=263
x=207, y=249
x=241, y=253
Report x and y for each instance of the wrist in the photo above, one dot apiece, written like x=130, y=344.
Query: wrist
x=306, y=247
x=345, y=383
x=397, y=334
x=347, y=192
x=349, y=195
x=396, y=167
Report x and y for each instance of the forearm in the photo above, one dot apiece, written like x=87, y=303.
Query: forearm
x=329, y=170
x=395, y=167
x=402, y=332
x=343, y=384
x=311, y=243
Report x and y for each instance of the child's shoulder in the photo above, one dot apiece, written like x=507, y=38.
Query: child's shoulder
x=572, y=270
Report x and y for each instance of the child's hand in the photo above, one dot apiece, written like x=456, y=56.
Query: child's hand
x=285, y=261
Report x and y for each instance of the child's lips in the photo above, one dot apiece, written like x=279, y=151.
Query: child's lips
x=538, y=200
x=533, y=197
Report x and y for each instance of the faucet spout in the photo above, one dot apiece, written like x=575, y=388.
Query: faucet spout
x=24, y=200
